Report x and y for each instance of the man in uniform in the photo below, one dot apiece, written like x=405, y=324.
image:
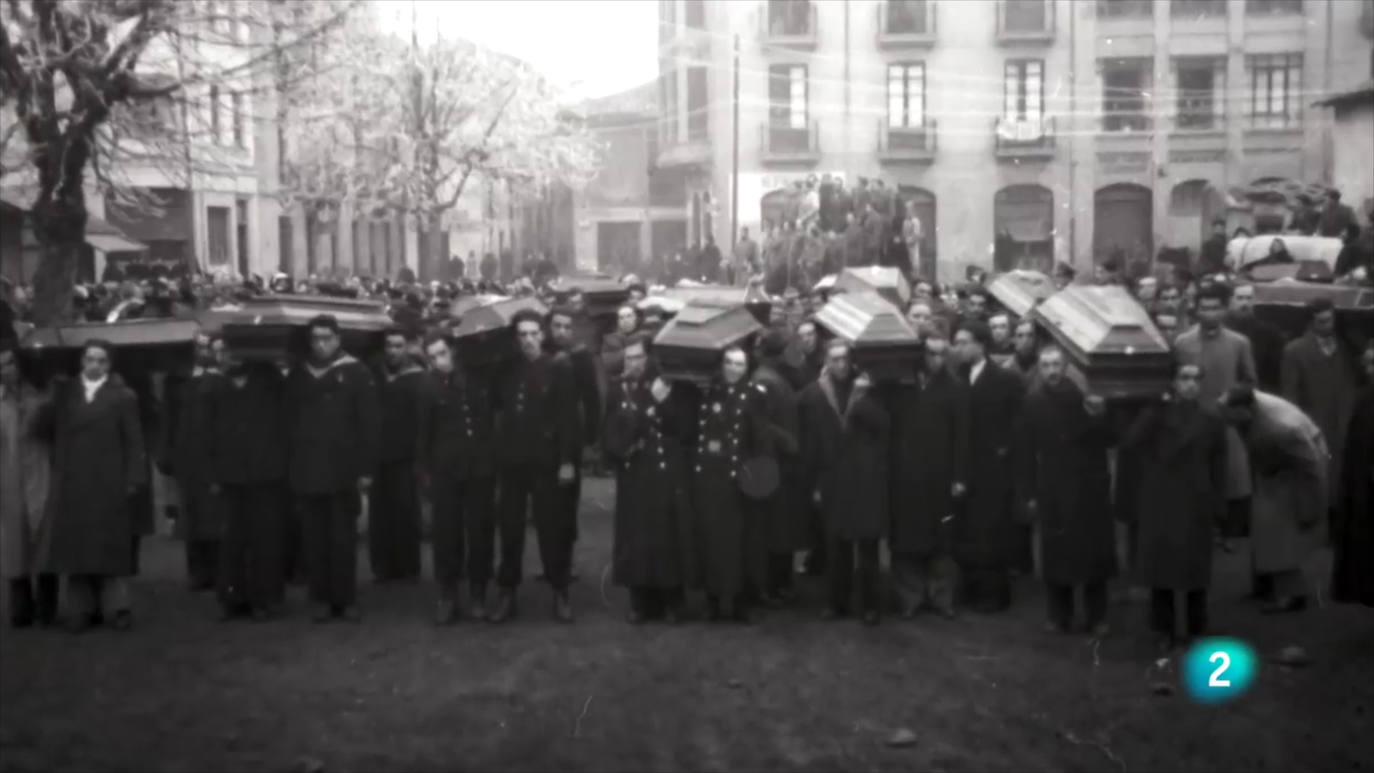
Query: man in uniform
x=333, y=427
x=393, y=529
x=199, y=522
x=538, y=444
x=565, y=344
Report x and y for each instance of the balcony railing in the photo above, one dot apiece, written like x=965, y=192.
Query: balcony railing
x=790, y=23
x=1016, y=138
x=906, y=23
x=785, y=144
x=1025, y=21
x=1273, y=7
x=912, y=144
x=1127, y=122
x=1197, y=9
x=1125, y=9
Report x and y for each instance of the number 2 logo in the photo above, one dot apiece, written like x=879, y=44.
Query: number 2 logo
x=1219, y=670
x=1215, y=679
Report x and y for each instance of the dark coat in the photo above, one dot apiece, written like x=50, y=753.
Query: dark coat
x=201, y=518
x=731, y=429
x=1062, y=460
x=454, y=433
x=246, y=428
x=654, y=529
x=585, y=380
x=1171, y=486
x=787, y=529
x=1323, y=386
x=536, y=414
x=1266, y=342
x=333, y=423
x=400, y=414
x=844, y=458
x=1352, y=579
x=985, y=537
x=930, y=424
x=98, y=461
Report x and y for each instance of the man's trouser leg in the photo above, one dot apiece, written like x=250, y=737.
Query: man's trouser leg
x=1095, y=603
x=331, y=536
x=840, y=572
x=1059, y=605
x=448, y=535
x=908, y=577
x=1162, y=611
x=233, y=580
x=555, y=519
x=866, y=566
x=941, y=581
x=517, y=488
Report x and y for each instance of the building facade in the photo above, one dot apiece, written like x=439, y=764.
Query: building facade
x=1026, y=131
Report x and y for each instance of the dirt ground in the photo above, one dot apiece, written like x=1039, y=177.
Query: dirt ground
x=184, y=692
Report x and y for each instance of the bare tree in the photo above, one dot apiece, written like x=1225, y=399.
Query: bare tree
x=95, y=86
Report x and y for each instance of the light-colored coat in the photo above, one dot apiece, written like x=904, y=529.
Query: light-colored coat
x=1227, y=360
x=1291, y=464
x=24, y=481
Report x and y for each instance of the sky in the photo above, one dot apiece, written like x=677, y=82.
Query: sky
x=591, y=47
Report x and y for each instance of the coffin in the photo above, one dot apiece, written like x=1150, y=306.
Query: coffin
x=885, y=344
x=1242, y=252
x=690, y=345
x=1113, y=347
x=1284, y=303
x=460, y=307
x=886, y=281
x=752, y=297
x=129, y=333
x=272, y=326
x=484, y=336
x=603, y=294
x=1020, y=291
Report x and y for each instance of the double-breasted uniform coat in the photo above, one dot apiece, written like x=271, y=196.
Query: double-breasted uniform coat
x=647, y=443
x=731, y=429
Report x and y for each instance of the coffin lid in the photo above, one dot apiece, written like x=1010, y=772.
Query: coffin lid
x=884, y=279
x=130, y=332
x=866, y=319
x=667, y=304
x=1101, y=320
x=827, y=282
x=297, y=310
x=467, y=303
x=1296, y=293
x=590, y=284
x=496, y=316
x=706, y=324
x=1021, y=290
x=1246, y=250
x=717, y=294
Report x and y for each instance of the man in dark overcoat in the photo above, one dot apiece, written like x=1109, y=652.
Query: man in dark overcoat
x=786, y=527
x=539, y=443
x=563, y=328
x=844, y=439
x=1171, y=487
x=1064, y=485
x=929, y=468
x=245, y=445
x=454, y=437
x=199, y=523
x=647, y=434
x=333, y=426
x=730, y=527
x=393, y=527
x=984, y=530
x=1352, y=539
x=99, y=462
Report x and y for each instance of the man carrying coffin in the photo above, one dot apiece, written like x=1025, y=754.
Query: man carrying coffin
x=331, y=417
x=453, y=458
x=563, y=338
x=538, y=444
x=393, y=529
x=648, y=427
x=785, y=514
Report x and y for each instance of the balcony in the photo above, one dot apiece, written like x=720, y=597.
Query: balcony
x=1128, y=133
x=1125, y=9
x=1025, y=21
x=785, y=145
x=1023, y=139
x=1197, y=138
x=907, y=144
x=906, y=24
x=789, y=23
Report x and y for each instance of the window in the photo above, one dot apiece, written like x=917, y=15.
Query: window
x=1275, y=89
x=787, y=96
x=240, y=119
x=1199, y=91
x=1024, y=93
x=1272, y=7
x=217, y=234
x=214, y=114
x=1125, y=83
x=241, y=234
x=670, y=112
x=1120, y=9
x=1024, y=16
x=1197, y=9
x=906, y=17
x=698, y=111
x=789, y=17
x=906, y=95
x=696, y=14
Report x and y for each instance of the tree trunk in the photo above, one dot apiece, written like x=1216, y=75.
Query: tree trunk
x=60, y=227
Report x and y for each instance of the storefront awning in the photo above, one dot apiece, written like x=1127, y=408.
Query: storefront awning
x=109, y=243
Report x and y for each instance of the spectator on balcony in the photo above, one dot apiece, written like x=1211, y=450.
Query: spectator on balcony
x=1212, y=259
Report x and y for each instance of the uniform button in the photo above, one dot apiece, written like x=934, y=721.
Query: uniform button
x=662, y=466
x=698, y=468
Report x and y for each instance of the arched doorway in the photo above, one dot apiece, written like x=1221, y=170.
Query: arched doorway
x=1193, y=205
x=1123, y=218
x=1023, y=228
x=924, y=203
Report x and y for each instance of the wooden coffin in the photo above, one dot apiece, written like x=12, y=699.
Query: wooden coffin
x=884, y=280
x=604, y=295
x=156, y=332
x=752, y=297
x=484, y=336
x=690, y=345
x=1284, y=303
x=1113, y=347
x=1020, y=290
x=272, y=326
x=885, y=344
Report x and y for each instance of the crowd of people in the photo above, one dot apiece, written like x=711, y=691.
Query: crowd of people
x=991, y=462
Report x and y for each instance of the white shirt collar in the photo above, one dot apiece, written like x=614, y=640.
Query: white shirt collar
x=976, y=371
x=92, y=387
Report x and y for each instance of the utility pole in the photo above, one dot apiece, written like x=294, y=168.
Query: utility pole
x=734, y=164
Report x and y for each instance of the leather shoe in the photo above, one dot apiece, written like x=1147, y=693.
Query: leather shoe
x=446, y=612
x=562, y=607
x=505, y=607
